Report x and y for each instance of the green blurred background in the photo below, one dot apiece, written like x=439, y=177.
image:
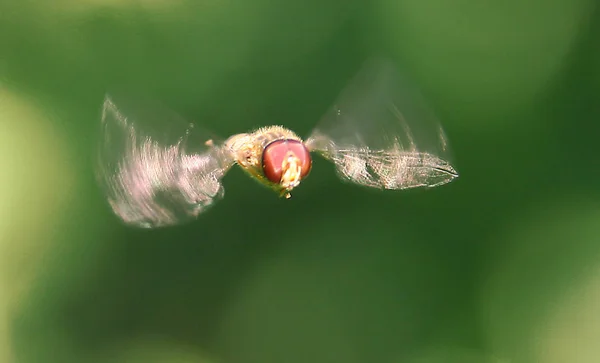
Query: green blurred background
x=502, y=265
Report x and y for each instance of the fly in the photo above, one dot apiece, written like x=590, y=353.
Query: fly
x=378, y=134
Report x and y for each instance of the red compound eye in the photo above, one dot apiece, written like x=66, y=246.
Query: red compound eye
x=278, y=151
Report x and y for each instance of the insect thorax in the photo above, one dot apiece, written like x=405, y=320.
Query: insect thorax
x=248, y=148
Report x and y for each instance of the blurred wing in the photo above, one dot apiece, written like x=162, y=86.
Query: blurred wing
x=157, y=179
x=381, y=134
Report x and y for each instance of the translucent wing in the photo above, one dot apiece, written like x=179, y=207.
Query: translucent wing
x=381, y=134
x=159, y=178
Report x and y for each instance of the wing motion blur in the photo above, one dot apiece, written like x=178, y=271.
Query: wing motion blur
x=157, y=179
x=380, y=133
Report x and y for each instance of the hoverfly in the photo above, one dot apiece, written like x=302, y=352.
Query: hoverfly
x=378, y=133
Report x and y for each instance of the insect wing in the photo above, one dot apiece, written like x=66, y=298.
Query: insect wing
x=380, y=133
x=157, y=169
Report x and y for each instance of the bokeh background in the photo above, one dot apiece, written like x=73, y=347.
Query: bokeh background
x=502, y=265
